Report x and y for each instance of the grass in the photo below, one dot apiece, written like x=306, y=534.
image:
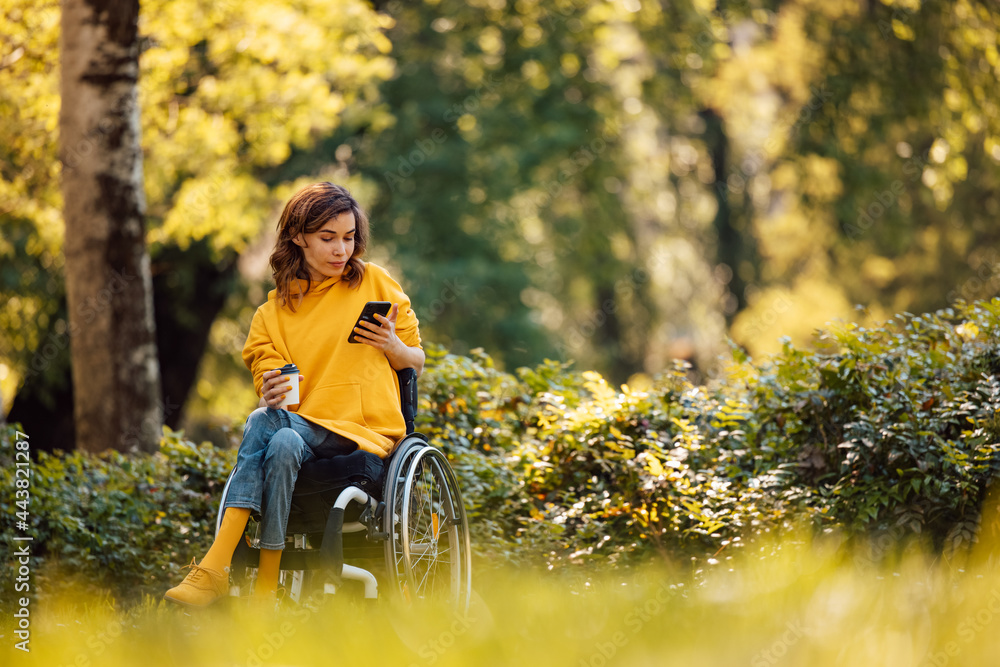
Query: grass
x=800, y=601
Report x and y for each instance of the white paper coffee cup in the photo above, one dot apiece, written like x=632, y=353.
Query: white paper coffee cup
x=290, y=375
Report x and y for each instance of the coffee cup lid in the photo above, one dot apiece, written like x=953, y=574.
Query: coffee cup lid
x=288, y=369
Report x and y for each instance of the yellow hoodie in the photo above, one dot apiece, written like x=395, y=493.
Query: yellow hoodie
x=348, y=388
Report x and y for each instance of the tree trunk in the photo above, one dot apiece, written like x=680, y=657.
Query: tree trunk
x=189, y=291
x=116, y=377
x=731, y=249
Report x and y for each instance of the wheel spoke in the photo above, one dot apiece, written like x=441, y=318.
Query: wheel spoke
x=429, y=554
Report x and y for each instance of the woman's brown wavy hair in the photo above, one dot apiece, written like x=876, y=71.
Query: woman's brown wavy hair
x=305, y=213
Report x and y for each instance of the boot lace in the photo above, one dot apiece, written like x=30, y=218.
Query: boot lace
x=198, y=573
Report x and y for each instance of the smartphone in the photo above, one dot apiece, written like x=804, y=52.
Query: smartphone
x=368, y=315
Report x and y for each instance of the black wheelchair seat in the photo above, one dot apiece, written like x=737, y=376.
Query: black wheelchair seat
x=321, y=481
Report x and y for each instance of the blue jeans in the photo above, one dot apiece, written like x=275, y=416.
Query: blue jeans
x=275, y=445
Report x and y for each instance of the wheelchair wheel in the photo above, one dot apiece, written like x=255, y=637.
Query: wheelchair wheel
x=395, y=480
x=398, y=464
x=428, y=552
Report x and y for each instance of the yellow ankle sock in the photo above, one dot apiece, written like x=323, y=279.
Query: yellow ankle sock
x=267, y=573
x=220, y=554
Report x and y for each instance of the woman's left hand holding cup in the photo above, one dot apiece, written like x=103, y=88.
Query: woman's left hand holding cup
x=276, y=386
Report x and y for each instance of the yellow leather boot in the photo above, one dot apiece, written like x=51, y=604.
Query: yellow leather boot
x=200, y=588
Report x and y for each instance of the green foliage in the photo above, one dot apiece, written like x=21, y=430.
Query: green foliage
x=584, y=473
x=115, y=522
x=896, y=425
x=888, y=429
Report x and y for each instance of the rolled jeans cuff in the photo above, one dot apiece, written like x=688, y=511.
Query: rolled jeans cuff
x=238, y=503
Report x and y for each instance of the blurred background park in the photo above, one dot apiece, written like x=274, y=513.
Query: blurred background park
x=616, y=183
x=575, y=194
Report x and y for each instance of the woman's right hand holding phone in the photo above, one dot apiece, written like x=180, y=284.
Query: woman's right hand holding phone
x=274, y=388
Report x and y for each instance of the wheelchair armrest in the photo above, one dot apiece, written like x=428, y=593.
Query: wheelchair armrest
x=408, y=396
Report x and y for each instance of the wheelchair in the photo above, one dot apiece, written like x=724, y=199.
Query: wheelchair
x=403, y=513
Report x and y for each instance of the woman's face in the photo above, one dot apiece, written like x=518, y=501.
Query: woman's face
x=328, y=250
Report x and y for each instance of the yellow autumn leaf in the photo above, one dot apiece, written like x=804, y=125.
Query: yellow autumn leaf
x=653, y=465
x=968, y=331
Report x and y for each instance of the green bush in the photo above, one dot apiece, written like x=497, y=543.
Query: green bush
x=596, y=475
x=891, y=430
x=115, y=522
x=894, y=428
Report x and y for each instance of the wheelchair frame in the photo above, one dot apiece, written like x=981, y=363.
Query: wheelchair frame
x=416, y=525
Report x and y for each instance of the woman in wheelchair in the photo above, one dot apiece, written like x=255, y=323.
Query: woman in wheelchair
x=348, y=394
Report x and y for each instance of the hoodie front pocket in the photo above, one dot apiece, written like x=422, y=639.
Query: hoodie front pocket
x=339, y=402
